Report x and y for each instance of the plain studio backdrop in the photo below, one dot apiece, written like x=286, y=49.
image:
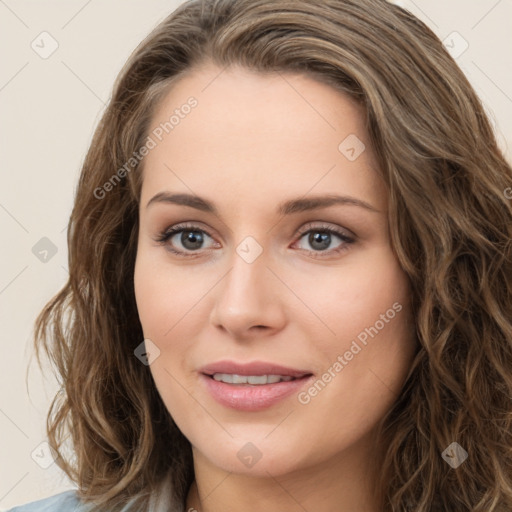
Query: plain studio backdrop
x=59, y=61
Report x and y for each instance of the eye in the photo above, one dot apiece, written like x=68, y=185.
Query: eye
x=191, y=238
x=320, y=238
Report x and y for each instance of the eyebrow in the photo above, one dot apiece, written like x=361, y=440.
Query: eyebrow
x=286, y=208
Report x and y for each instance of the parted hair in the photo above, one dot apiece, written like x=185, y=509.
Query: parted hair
x=450, y=223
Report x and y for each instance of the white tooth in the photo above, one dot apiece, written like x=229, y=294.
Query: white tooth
x=257, y=379
x=224, y=377
x=239, y=379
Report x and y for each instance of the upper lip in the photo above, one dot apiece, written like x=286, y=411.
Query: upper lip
x=253, y=368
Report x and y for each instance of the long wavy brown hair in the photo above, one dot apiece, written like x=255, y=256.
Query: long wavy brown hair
x=450, y=223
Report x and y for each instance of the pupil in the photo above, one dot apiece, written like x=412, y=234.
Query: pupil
x=191, y=237
x=323, y=239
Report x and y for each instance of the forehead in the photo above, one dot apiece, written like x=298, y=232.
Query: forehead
x=282, y=133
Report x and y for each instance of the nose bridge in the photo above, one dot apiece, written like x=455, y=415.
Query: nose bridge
x=248, y=278
x=246, y=297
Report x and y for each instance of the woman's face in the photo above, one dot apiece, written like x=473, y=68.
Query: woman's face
x=284, y=264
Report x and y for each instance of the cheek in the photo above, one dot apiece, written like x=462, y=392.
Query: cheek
x=165, y=294
x=164, y=298
x=369, y=312
x=368, y=355
x=173, y=308
x=344, y=301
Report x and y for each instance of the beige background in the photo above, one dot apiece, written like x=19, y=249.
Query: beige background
x=49, y=108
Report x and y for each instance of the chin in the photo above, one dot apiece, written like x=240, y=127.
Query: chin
x=258, y=458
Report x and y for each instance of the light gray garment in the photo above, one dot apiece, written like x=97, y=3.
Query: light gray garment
x=68, y=501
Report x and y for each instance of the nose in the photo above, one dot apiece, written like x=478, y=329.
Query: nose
x=249, y=299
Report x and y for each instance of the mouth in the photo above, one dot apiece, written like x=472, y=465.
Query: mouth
x=252, y=380
x=254, y=386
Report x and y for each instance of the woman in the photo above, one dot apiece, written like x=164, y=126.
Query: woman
x=290, y=274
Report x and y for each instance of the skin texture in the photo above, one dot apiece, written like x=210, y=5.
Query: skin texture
x=252, y=142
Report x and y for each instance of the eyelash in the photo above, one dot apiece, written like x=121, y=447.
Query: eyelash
x=168, y=233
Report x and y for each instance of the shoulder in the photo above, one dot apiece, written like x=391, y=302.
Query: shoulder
x=164, y=500
x=66, y=501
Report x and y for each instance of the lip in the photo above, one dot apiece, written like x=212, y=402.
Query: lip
x=247, y=397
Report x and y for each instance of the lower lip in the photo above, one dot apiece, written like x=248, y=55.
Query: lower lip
x=246, y=397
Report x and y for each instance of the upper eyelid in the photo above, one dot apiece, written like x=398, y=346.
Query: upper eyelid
x=196, y=226
x=309, y=226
